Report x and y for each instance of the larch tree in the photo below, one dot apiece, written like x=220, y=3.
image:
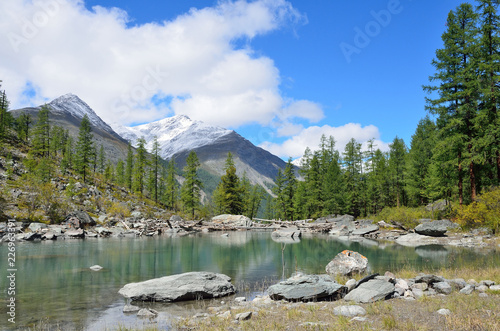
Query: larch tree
x=84, y=152
x=190, y=191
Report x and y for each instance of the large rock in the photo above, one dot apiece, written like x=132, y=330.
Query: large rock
x=415, y=240
x=233, y=220
x=291, y=232
x=434, y=229
x=349, y=311
x=346, y=263
x=365, y=230
x=186, y=286
x=371, y=291
x=307, y=288
x=35, y=227
x=79, y=220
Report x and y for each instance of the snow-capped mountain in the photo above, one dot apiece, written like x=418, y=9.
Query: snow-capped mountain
x=72, y=104
x=175, y=134
x=177, y=137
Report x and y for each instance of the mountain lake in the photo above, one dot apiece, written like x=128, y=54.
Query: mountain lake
x=54, y=285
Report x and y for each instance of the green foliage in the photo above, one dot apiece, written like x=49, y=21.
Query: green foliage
x=119, y=210
x=129, y=167
x=41, y=133
x=405, y=216
x=190, y=191
x=484, y=212
x=171, y=194
x=84, y=148
x=228, y=196
x=140, y=165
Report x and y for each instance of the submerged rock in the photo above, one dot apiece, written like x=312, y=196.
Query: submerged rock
x=346, y=263
x=292, y=232
x=307, y=288
x=186, y=286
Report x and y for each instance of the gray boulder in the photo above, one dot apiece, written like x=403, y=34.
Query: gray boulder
x=34, y=227
x=433, y=229
x=346, y=263
x=442, y=287
x=428, y=279
x=349, y=311
x=468, y=289
x=371, y=291
x=307, y=288
x=181, y=287
x=79, y=220
x=74, y=234
x=365, y=230
x=233, y=220
x=292, y=232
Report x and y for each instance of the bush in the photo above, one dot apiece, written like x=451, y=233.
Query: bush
x=405, y=216
x=118, y=210
x=484, y=212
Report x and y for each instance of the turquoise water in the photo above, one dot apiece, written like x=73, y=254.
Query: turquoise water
x=55, y=285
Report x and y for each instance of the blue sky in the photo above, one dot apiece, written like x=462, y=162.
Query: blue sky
x=289, y=58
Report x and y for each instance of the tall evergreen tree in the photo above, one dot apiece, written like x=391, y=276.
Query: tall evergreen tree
x=23, y=124
x=101, y=162
x=155, y=164
x=419, y=159
x=229, y=190
x=171, y=187
x=190, y=191
x=120, y=172
x=397, y=159
x=353, y=159
x=41, y=133
x=84, y=148
x=488, y=142
x=456, y=104
x=129, y=167
x=140, y=165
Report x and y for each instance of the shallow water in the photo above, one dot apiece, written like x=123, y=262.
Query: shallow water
x=55, y=285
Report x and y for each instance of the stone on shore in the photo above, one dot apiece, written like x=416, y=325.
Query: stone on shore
x=433, y=229
x=181, y=287
x=292, y=232
x=371, y=291
x=365, y=230
x=79, y=220
x=415, y=240
x=307, y=288
x=233, y=220
x=349, y=311
x=347, y=263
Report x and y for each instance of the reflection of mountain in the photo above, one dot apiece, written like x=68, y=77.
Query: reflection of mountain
x=433, y=252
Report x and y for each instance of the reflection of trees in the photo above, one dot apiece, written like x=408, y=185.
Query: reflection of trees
x=54, y=279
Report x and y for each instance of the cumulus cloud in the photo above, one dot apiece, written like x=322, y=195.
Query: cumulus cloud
x=129, y=74
x=310, y=137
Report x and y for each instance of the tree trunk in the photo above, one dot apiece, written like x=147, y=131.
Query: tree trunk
x=460, y=180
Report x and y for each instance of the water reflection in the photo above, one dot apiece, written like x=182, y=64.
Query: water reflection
x=54, y=280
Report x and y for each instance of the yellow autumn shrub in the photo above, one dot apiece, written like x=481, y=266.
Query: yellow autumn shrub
x=484, y=212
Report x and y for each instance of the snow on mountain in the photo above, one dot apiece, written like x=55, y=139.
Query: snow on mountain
x=72, y=104
x=175, y=134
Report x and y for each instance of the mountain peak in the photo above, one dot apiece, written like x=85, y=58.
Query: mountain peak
x=71, y=104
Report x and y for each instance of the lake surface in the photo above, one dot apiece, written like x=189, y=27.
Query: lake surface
x=55, y=285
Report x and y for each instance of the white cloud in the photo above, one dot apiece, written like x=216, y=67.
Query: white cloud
x=58, y=46
x=310, y=137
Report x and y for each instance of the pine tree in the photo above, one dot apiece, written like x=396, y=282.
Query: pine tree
x=41, y=133
x=101, y=162
x=289, y=188
x=397, y=158
x=352, y=176
x=488, y=142
x=67, y=160
x=229, y=196
x=129, y=167
x=120, y=173
x=171, y=188
x=23, y=124
x=155, y=167
x=458, y=92
x=84, y=148
x=4, y=115
x=190, y=191
x=140, y=165
x=419, y=159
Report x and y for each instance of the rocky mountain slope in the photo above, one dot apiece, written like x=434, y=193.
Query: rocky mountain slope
x=177, y=135
x=68, y=110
